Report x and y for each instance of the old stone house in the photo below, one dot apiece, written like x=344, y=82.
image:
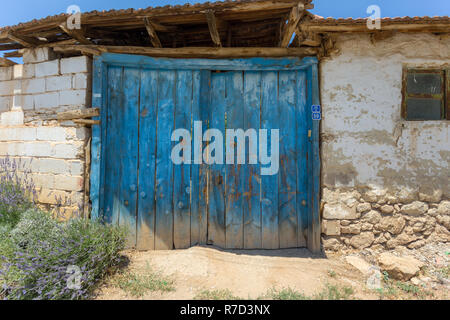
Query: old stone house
x=376, y=165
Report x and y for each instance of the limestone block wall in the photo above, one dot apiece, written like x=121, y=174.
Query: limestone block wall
x=385, y=180
x=52, y=152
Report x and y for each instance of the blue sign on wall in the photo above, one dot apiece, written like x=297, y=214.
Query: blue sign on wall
x=315, y=109
x=316, y=112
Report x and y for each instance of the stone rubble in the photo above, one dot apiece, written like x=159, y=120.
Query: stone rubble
x=356, y=219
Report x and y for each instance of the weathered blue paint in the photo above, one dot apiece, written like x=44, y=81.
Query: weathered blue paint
x=252, y=176
x=302, y=157
x=97, y=101
x=217, y=172
x=205, y=101
x=147, y=159
x=270, y=119
x=129, y=145
x=164, y=166
x=287, y=177
x=113, y=141
x=167, y=206
x=182, y=173
x=234, y=86
x=197, y=214
x=255, y=64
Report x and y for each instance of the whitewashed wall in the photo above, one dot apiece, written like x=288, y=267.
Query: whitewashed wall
x=371, y=156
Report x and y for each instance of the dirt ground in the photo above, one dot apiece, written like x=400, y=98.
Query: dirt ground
x=250, y=274
x=247, y=274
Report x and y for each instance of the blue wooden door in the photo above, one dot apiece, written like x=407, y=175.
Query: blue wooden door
x=231, y=204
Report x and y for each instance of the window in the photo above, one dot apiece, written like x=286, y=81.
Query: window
x=425, y=94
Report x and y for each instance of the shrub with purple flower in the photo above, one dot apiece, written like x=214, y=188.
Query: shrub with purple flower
x=38, y=269
x=37, y=252
x=17, y=190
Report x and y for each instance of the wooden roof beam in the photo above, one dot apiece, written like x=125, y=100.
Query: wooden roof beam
x=212, y=25
x=152, y=33
x=10, y=46
x=24, y=41
x=192, y=52
x=12, y=54
x=6, y=62
x=77, y=34
x=295, y=16
x=158, y=26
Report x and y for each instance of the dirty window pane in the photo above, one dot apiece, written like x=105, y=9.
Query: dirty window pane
x=424, y=83
x=424, y=109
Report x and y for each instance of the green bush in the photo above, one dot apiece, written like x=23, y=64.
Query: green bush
x=41, y=257
x=33, y=227
x=17, y=191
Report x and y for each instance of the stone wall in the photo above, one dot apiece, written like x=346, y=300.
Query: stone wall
x=385, y=180
x=52, y=152
x=359, y=219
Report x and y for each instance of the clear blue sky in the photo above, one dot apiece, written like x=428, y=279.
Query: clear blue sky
x=15, y=11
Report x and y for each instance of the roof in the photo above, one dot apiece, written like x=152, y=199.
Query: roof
x=247, y=22
x=405, y=24
x=235, y=24
x=406, y=19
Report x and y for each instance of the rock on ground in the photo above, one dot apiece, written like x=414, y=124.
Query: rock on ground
x=359, y=263
x=400, y=268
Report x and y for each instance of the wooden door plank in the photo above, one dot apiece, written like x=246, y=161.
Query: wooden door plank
x=216, y=220
x=195, y=195
x=112, y=145
x=98, y=134
x=182, y=172
x=288, y=172
x=129, y=152
x=270, y=119
x=314, y=226
x=202, y=110
x=302, y=159
x=147, y=160
x=164, y=166
x=235, y=173
x=252, y=174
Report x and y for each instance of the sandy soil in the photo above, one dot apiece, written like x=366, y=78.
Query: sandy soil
x=247, y=274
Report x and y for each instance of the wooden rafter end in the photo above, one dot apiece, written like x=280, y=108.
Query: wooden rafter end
x=76, y=34
x=152, y=33
x=212, y=25
x=295, y=16
x=6, y=62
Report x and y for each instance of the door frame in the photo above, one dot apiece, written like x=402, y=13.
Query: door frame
x=99, y=100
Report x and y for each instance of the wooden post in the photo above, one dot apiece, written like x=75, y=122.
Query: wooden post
x=24, y=41
x=152, y=33
x=77, y=34
x=212, y=25
x=294, y=18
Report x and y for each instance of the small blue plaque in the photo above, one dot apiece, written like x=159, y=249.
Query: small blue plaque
x=316, y=109
x=317, y=116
